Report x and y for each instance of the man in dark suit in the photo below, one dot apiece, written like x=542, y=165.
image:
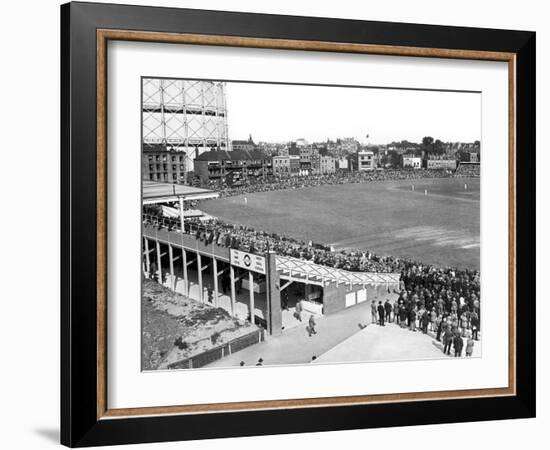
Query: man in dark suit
x=381, y=313
x=447, y=341
x=388, y=308
x=458, y=344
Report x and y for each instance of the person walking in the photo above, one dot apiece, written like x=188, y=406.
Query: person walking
x=447, y=342
x=412, y=319
x=381, y=313
x=424, y=321
x=210, y=294
x=312, y=324
x=458, y=343
x=299, y=309
x=397, y=311
x=403, y=316
x=469, y=347
x=463, y=323
x=374, y=311
x=454, y=306
x=439, y=327
x=284, y=300
x=388, y=309
x=433, y=320
x=474, y=320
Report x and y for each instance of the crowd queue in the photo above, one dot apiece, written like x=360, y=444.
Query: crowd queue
x=442, y=301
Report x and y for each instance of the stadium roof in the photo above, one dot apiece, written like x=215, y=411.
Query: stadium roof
x=153, y=192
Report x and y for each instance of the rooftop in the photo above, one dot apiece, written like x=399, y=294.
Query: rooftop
x=154, y=192
x=234, y=155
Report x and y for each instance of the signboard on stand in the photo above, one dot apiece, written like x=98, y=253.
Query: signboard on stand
x=248, y=261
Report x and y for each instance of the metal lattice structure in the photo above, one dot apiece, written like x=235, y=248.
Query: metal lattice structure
x=308, y=272
x=188, y=116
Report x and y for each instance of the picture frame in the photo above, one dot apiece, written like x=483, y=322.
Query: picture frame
x=86, y=418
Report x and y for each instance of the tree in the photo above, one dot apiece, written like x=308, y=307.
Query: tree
x=394, y=158
x=438, y=147
x=427, y=144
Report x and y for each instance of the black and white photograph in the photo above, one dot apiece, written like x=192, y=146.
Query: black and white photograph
x=275, y=225
x=295, y=224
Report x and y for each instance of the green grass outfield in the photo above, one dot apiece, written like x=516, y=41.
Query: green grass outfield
x=386, y=217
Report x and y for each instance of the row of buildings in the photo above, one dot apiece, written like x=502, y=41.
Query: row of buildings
x=245, y=161
x=436, y=162
x=186, y=139
x=237, y=165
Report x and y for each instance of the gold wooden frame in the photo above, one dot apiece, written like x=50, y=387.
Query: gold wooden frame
x=104, y=35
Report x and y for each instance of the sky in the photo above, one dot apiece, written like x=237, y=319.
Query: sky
x=281, y=113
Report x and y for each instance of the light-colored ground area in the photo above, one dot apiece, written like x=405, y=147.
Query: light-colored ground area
x=382, y=217
x=347, y=336
x=389, y=343
x=295, y=346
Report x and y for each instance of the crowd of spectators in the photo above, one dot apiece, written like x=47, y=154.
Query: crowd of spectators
x=274, y=183
x=442, y=299
x=468, y=171
x=247, y=239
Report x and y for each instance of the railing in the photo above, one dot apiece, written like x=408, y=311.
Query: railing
x=233, y=346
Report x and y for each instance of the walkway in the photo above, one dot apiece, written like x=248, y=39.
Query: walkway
x=295, y=346
x=389, y=343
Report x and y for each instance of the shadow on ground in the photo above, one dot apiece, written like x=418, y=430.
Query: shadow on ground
x=49, y=434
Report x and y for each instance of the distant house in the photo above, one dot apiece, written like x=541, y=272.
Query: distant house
x=281, y=165
x=233, y=167
x=327, y=164
x=246, y=146
x=162, y=163
x=294, y=165
x=365, y=160
x=411, y=161
x=342, y=164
